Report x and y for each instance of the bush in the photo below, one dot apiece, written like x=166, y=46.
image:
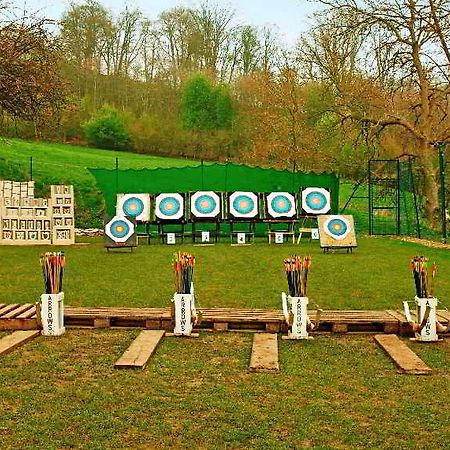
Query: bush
x=107, y=129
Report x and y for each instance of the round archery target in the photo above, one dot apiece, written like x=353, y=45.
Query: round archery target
x=169, y=206
x=243, y=204
x=316, y=200
x=119, y=229
x=134, y=205
x=205, y=204
x=281, y=204
x=337, y=227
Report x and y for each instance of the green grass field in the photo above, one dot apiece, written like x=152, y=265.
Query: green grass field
x=332, y=393
x=375, y=276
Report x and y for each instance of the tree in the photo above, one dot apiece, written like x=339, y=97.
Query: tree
x=84, y=29
x=402, y=74
x=205, y=109
x=31, y=84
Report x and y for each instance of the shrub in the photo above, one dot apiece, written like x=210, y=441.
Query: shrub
x=107, y=129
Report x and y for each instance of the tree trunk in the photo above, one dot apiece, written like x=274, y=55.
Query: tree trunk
x=430, y=188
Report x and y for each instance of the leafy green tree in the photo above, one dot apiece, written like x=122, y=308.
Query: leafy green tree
x=107, y=129
x=198, y=104
x=205, y=107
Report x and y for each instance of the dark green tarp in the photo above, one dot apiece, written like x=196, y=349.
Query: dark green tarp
x=214, y=177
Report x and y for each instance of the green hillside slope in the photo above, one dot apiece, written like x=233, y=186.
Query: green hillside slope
x=62, y=163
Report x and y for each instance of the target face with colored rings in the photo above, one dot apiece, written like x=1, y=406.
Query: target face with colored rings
x=281, y=204
x=169, y=206
x=316, y=201
x=337, y=227
x=119, y=229
x=243, y=204
x=134, y=205
x=205, y=204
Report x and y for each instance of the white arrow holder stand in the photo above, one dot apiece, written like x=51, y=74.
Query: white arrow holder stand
x=52, y=314
x=295, y=310
x=428, y=333
x=185, y=313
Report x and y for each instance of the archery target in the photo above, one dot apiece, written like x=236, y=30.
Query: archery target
x=316, y=200
x=281, y=204
x=205, y=204
x=336, y=231
x=243, y=204
x=336, y=227
x=169, y=206
x=119, y=229
x=134, y=205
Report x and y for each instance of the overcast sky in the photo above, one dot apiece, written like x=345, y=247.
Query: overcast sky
x=290, y=16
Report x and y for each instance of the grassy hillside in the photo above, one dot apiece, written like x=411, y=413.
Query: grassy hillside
x=56, y=163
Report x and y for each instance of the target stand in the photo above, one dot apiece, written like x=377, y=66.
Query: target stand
x=120, y=232
x=206, y=212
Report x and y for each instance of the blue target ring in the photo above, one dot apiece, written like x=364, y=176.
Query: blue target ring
x=133, y=207
x=316, y=201
x=337, y=227
x=169, y=206
x=205, y=204
x=243, y=204
x=119, y=229
x=281, y=204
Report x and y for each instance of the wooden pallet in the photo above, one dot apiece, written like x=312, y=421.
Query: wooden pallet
x=405, y=328
x=18, y=317
x=356, y=321
x=24, y=317
x=148, y=318
x=236, y=319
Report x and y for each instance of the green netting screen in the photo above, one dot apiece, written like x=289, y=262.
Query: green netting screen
x=214, y=177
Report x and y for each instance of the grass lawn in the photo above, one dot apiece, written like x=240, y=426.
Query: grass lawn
x=375, y=276
x=332, y=392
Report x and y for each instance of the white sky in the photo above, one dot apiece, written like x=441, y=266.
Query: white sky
x=290, y=16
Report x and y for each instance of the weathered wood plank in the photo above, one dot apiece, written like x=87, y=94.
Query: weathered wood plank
x=6, y=309
x=140, y=350
x=264, y=353
x=17, y=311
x=28, y=314
x=16, y=339
x=18, y=324
x=405, y=359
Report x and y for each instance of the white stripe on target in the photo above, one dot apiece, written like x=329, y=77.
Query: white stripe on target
x=205, y=204
x=243, y=204
x=316, y=200
x=281, y=204
x=169, y=206
x=134, y=205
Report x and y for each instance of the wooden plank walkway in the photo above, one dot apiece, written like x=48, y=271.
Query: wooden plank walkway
x=23, y=317
x=140, y=350
x=405, y=359
x=11, y=341
x=264, y=353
